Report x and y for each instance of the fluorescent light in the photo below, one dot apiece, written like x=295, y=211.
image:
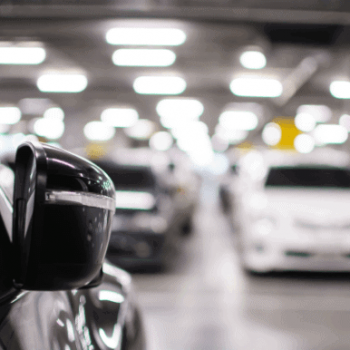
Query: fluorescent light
x=51, y=128
x=55, y=113
x=340, y=89
x=239, y=120
x=98, y=131
x=4, y=128
x=231, y=135
x=193, y=144
x=161, y=141
x=142, y=130
x=22, y=55
x=304, y=143
x=159, y=85
x=253, y=60
x=146, y=36
x=143, y=57
x=62, y=83
x=321, y=113
x=330, y=133
x=219, y=144
x=305, y=122
x=120, y=117
x=256, y=87
x=10, y=115
x=271, y=134
x=190, y=129
x=180, y=108
x=203, y=155
x=134, y=200
x=344, y=121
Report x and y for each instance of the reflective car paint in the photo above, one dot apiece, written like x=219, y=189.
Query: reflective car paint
x=104, y=317
x=101, y=317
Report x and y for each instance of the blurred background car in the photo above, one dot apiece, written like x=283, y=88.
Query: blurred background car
x=144, y=229
x=183, y=184
x=294, y=215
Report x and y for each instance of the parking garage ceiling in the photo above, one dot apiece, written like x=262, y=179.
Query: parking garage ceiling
x=305, y=43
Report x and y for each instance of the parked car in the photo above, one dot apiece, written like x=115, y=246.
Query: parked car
x=293, y=213
x=56, y=290
x=183, y=184
x=144, y=228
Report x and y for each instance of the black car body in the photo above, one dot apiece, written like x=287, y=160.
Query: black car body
x=144, y=230
x=38, y=310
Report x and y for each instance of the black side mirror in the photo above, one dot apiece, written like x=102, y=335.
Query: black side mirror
x=62, y=211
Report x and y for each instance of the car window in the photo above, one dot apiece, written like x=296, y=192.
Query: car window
x=308, y=177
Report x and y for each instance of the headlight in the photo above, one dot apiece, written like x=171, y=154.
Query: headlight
x=264, y=226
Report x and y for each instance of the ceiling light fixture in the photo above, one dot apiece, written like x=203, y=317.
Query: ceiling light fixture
x=159, y=85
x=305, y=122
x=271, y=134
x=180, y=108
x=344, y=121
x=143, y=57
x=161, y=141
x=190, y=129
x=304, y=143
x=10, y=115
x=256, y=87
x=98, y=131
x=340, y=89
x=65, y=83
x=330, y=133
x=321, y=113
x=146, y=36
x=238, y=120
x=51, y=128
x=120, y=117
x=142, y=129
x=55, y=113
x=19, y=55
x=253, y=60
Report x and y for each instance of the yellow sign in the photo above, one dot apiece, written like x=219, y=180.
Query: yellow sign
x=289, y=133
x=95, y=151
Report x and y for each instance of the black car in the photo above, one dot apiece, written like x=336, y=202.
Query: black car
x=56, y=290
x=144, y=230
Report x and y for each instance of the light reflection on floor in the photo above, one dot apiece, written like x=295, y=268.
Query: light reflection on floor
x=206, y=302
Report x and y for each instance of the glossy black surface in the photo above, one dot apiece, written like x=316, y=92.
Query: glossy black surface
x=58, y=247
x=104, y=316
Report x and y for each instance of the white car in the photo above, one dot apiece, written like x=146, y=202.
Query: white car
x=294, y=213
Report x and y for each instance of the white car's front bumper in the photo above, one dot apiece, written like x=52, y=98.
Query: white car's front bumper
x=269, y=254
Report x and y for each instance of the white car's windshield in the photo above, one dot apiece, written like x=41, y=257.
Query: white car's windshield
x=308, y=177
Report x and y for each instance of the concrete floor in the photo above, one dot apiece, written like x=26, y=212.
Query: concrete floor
x=206, y=302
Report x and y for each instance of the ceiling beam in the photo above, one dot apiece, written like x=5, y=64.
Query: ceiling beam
x=148, y=9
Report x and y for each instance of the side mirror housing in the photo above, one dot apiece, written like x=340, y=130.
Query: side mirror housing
x=62, y=212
